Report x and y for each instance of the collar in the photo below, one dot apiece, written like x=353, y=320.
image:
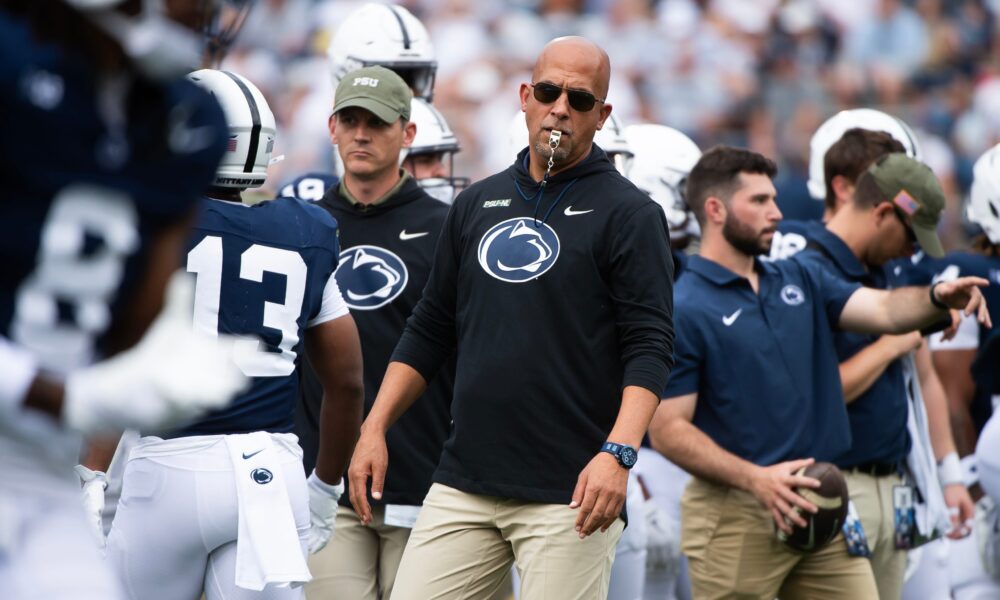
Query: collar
x=840, y=253
x=716, y=273
x=343, y=191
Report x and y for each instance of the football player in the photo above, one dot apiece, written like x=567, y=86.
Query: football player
x=430, y=159
x=663, y=158
x=222, y=506
x=109, y=148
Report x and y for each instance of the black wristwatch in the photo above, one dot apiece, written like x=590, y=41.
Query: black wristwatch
x=626, y=455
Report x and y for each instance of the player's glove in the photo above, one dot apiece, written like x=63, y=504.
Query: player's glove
x=663, y=540
x=94, y=483
x=172, y=375
x=322, y=511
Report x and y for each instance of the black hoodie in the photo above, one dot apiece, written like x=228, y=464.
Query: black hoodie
x=386, y=254
x=554, y=305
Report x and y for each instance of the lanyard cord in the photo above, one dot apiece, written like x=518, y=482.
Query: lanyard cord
x=554, y=137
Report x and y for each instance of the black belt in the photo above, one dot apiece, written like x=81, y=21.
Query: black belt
x=876, y=469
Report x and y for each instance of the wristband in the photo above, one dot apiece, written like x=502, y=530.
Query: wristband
x=934, y=299
x=950, y=470
x=18, y=369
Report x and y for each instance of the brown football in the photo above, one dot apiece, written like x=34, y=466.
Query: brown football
x=831, y=500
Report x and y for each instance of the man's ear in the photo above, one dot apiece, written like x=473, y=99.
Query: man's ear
x=715, y=210
x=524, y=91
x=605, y=113
x=409, y=133
x=331, y=124
x=843, y=188
x=883, y=212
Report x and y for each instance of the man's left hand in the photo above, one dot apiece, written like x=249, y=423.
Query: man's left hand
x=961, y=510
x=599, y=494
x=963, y=294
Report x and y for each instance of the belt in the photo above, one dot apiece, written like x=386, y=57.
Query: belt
x=876, y=469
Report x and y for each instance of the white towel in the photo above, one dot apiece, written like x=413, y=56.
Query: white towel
x=268, y=550
x=932, y=514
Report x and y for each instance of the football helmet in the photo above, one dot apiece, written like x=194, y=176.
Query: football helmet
x=386, y=35
x=663, y=159
x=160, y=47
x=434, y=136
x=983, y=207
x=610, y=138
x=251, y=128
x=830, y=132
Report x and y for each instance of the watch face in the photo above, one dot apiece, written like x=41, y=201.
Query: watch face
x=629, y=456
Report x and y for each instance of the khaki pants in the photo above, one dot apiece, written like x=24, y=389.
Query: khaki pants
x=732, y=552
x=463, y=545
x=359, y=562
x=872, y=497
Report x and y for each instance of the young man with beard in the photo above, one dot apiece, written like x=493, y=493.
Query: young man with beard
x=552, y=287
x=744, y=436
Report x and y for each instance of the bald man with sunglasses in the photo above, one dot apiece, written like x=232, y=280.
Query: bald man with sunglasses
x=552, y=289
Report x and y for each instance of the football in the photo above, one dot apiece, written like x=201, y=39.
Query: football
x=831, y=500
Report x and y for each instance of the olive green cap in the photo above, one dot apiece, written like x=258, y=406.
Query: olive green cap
x=375, y=89
x=912, y=187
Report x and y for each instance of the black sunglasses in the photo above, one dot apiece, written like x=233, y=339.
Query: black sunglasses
x=579, y=100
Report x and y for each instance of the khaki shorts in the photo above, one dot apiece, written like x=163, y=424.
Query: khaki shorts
x=732, y=552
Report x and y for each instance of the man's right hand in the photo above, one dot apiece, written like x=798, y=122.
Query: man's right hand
x=370, y=460
x=773, y=487
x=173, y=375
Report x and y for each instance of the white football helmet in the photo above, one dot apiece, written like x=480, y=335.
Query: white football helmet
x=663, y=159
x=386, y=35
x=830, y=132
x=158, y=46
x=251, y=128
x=983, y=208
x=434, y=136
x=611, y=139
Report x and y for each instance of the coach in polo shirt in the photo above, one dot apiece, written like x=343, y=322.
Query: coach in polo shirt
x=896, y=202
x=755, y=392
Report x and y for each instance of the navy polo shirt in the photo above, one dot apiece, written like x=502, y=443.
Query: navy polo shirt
x=763, y=365
x=878, y=416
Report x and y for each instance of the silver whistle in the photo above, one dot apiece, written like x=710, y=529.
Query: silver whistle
x=554, y=136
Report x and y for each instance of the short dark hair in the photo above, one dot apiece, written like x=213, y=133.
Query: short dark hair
x=854, y=152
x=867, y=193
x=717, y=174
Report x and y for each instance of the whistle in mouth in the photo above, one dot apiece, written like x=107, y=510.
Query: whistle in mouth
x=554, y=136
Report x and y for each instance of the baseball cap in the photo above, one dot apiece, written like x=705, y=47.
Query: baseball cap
x=375, y=89
x=911, y=186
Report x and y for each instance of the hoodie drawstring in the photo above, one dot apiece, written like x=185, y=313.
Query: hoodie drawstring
x=537, y=198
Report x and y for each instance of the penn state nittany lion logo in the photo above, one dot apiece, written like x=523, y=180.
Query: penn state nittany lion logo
x=370, y=277
x=516, y=250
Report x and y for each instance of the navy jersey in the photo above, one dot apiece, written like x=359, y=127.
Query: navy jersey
x=923, y=270
x=262, y=271
x=309, y=187
x=91, y=174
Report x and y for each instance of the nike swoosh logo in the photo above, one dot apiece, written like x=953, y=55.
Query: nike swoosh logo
x=411, y=236
x=569, y=212
x=727, y=321
x=252, y=454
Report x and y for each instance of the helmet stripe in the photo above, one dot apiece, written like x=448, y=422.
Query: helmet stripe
x=255, y=120
x=402, y=26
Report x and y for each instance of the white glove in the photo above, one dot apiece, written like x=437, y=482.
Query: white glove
x=172, y=375
x=94, y=484
x=322, y=511
x=663, y=549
